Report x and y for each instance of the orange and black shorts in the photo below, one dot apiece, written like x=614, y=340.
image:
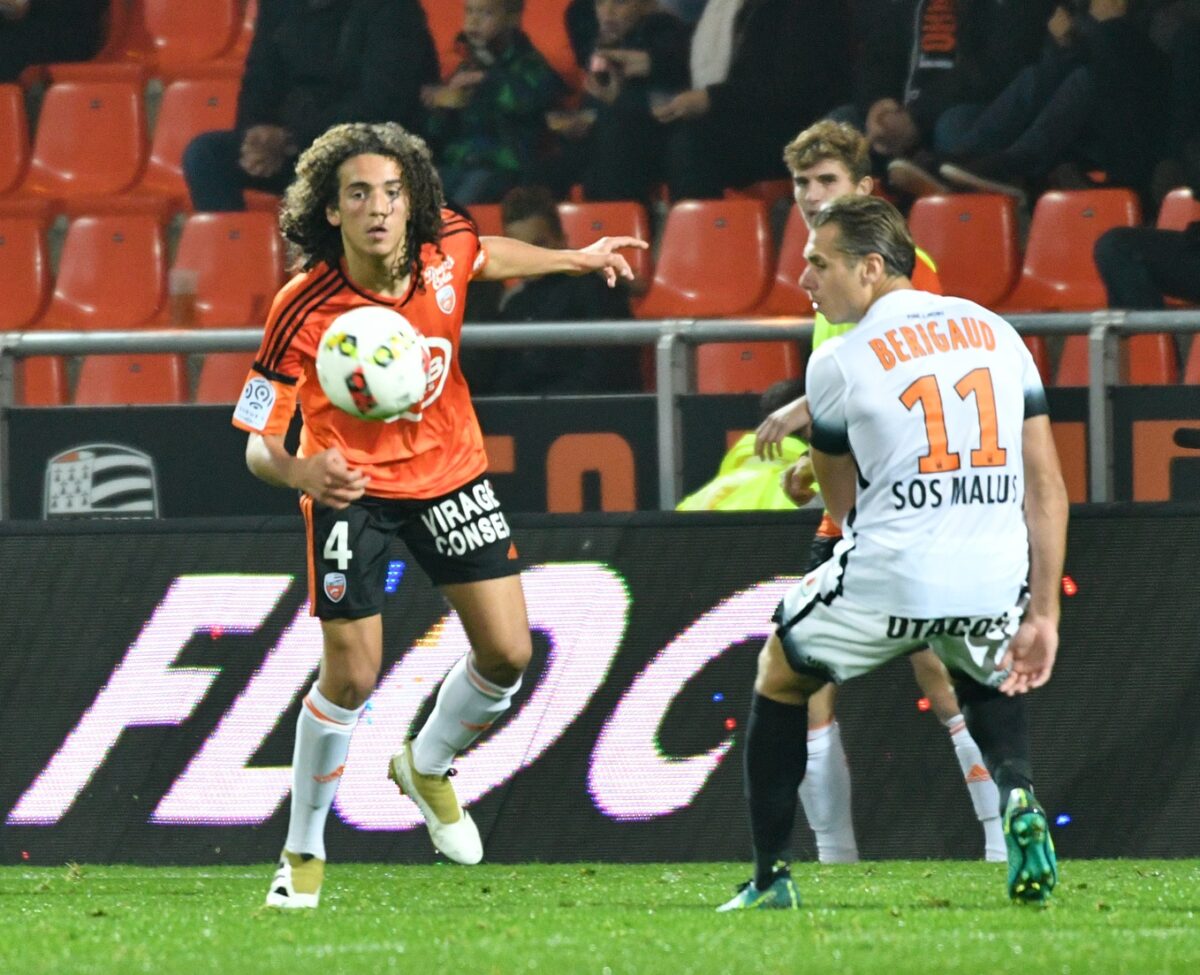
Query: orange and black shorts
x=461, y=536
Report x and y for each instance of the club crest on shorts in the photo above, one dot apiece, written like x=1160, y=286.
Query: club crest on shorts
x=446, y=298
x=335, y=586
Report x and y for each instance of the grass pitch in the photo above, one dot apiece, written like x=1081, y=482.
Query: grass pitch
x=1107, y=916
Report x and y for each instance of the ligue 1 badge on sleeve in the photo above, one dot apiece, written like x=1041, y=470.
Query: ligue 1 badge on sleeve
x=104, y=480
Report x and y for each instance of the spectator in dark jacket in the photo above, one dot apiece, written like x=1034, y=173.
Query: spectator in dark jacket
x=312, y=63
x=46, y=31
x=1094, y=101
x=787, y=68
x=634, y=55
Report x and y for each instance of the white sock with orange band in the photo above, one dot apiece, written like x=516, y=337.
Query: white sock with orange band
x=323, y=733
x=467, y=705
x=825, y=795
x=985, y=797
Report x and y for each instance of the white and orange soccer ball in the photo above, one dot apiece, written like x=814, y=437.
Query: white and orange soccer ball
x=373, y=364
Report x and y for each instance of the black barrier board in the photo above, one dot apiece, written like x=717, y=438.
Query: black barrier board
x=150, y=675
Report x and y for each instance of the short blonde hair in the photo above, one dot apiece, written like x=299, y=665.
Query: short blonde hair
x=830, y=140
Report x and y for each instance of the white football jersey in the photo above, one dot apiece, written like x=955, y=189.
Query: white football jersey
x=930, y=393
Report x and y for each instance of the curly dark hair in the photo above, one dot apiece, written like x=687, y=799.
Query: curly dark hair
x=302, y=217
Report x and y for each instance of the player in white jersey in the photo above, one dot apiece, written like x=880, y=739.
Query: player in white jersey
x=934, y=453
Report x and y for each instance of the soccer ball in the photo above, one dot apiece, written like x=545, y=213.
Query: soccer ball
x=372, y=363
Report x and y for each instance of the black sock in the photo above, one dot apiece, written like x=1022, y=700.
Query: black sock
x=1000, y=728
x=776, y=753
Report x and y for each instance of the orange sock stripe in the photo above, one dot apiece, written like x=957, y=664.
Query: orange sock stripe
x=481, y=684
x=324, y=717
x=306, y=504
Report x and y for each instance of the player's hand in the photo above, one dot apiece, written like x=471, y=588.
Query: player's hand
x=1030, y=655
x=799, y=482
x=602, y=256
x=330, y=480
x=794, y=417
x=685, y=105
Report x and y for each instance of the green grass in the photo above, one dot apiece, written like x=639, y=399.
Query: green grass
x=1107, y=916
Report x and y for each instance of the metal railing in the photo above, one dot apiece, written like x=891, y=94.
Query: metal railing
x=671, y=339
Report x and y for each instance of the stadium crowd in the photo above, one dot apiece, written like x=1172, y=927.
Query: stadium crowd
x=645, y=104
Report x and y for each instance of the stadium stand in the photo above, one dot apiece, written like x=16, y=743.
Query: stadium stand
x=90, y=143
x=189, y=106
x=785, y=296
x=118, y=380
x=112, y=274
x=1179, y=208
x=715, y=260
x=584, y=223
x=237, y=259
x=222, y=375
x=973, y=239
x=1058, y=273
x=14, y=137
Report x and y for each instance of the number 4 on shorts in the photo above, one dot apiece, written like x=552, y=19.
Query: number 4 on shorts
x=337, y=545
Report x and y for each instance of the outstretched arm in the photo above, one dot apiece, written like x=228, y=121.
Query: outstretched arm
x=793, y=417
x=509, y=258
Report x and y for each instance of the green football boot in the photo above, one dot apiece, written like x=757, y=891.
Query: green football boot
x=1032, y=865
x=780, y=895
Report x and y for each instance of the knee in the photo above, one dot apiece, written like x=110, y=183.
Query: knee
x=351, y=687
x=504, y=663
x=203, y=153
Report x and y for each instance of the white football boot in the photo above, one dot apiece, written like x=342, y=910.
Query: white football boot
x=451, y=828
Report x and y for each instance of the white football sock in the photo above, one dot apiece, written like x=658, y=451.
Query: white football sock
x=467, y=705
x=323, y=734
x=825, y=795
x=985, y=797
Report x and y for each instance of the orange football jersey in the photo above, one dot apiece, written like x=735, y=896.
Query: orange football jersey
x=428, y=451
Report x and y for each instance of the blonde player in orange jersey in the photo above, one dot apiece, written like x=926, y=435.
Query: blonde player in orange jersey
x=367, y=216
x=830, y=160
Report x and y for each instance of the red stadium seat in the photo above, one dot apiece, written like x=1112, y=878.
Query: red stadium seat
x=238, y=262
x=786, y=297
x=25, y=273
x=189, y=107
x=714, y=261
x=222, y=376
x=117, y=380
x=585, y=222
x=445, y=23
x=745, y=367
x=973, y=239
x=90, y=142
x=1191, y=371
x=1149, y=359
x=1041, y=356
x=545, y=23
x=262, y=200
x=1179, y=208
x=1059, y=273
x=112, y=274
x=183, y=32
x=487, y=219
x=14, y=137
x=40, y=381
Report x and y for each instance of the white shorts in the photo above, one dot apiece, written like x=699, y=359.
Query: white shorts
x=828, y=636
